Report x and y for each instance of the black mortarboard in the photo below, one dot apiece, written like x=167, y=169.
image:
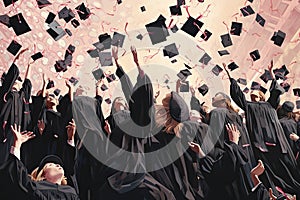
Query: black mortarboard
x=251, y=1
x=105, y=59
x=174, y=29
x=217, y=70
x=192, y=26
x=179, y=110
x=206, y=35
x=143, y=9
x=298, y=104
x=108, y=101
x=184, y=86
x=255, y=86
x=183, y=74
x=111, y=78
x=14, y=47
x=255, y=55
x=236, y=28
x=104, y=87
x=50, y=84
x=226, y=40
x=203, y=89
x=175, y=10
x=173, y=61
x=246, y=11
x=56, y=31
x=242, y=81
x=259, y=19
x=285, y=86
x=205, y=59
x=49, y=159
x=223, y=52
x=246, y=90
x=83, y=11
x=57, y=92
x=9, y=2
x=180, y=2
x=94, y=53
x=278, y=38
x=66, y=14
x=60, y=65
x=139, y=36
x=232, y=66
x=281, y=73
x=170, y=50
x=264, y=90
x=4, y=19
x=43, y=3
x=75, y=23
x=266, y=76
x=296, y=92
x=119, y=1
x=68, y=32
x=50, y=18
x=37, y=56
x=19, y=24
x=187, y=66
x=99, y=46
x=73, y=80
x=118, y=39
x=157, y=30
x=105, y=39
x=98, y=74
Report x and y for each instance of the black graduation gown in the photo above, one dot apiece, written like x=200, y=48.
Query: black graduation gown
x=195, y=105
x=268, y=138
x=14, y=109
x=290, y=126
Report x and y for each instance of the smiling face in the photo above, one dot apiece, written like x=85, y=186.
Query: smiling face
x=51, y=101
x=53, y=172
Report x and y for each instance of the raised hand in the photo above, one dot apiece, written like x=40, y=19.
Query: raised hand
x=258, y=169
x=233, y=133
x=271, y=195
x=71, y=130
x=197, y=149
x=41, y=126
x=114, y=52
x=134, y=54
x=294, y=137
x=226, y=70
x=20, y=138
x=21, y=52
x=192, y=91
x=107, y=127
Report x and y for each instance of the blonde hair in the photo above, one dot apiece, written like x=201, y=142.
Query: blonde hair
x=163, y=118
x=230, y=107
x=40, y=177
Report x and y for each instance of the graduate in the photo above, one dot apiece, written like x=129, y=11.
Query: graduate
x=267, y=136
x=48, y=181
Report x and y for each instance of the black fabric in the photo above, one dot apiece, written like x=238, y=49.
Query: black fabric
x=179, y=110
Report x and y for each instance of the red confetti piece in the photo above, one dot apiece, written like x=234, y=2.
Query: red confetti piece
x=226, y=26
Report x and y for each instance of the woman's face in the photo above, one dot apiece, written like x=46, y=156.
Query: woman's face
x=52, y=100
x=53, y=171
x=120, y=104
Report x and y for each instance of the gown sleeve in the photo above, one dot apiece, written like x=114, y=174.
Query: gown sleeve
x=65, y=108
x=126, y=84
x=216, y=125
x=26, y=88
x=237, y=94
x=275, y=91
x=99, y=112
x=9, y=81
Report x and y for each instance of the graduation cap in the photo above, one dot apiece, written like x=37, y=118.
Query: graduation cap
x=259, y=19
x=203, y=89
x=50, y=84
x=205, y=59
x=180, y=2
x=278, y=37
x=251, y=1
x=255, y=55
x=9, y=2
x=184, y=86
x=50, y=18
x=246, y=90
x=298, y=104
x=83, y=11
x=281, y=73
x=143, y=9
x=232, y=66
x=60, y=65
x=192, y=26
x=236, y=28
x=104, y=87
x=98, y=74
x=242, y=81
x=94, y=53
x=119, y=1
x=226, y=40
x=187, y=66
x=66, y=14
x=174, y=29
x=223, y=52
x=70, y=50
x=266, y=76
x=106, y=40
x=73, y=80
x=19, y=24
x=14, y=47
x=108, y=101
x=43, y=3
x=68, y=32
x=75, y=23
x=173, y=61
x=4, y=19
x=118, y=39
x=246, y=11
x=170, y=50
x=55, y=30
x=139, y=36
x=255, y=86
x=99, y=46
x=285, y=86
x=264, y=90
x=110, y=78
x=105, y=59
x=157, y=30
x=37, y=56
x=206, y=35
x=57, y=92
x=217, y=70
x=183, y=74
x=175, y=10
x=296, y=92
